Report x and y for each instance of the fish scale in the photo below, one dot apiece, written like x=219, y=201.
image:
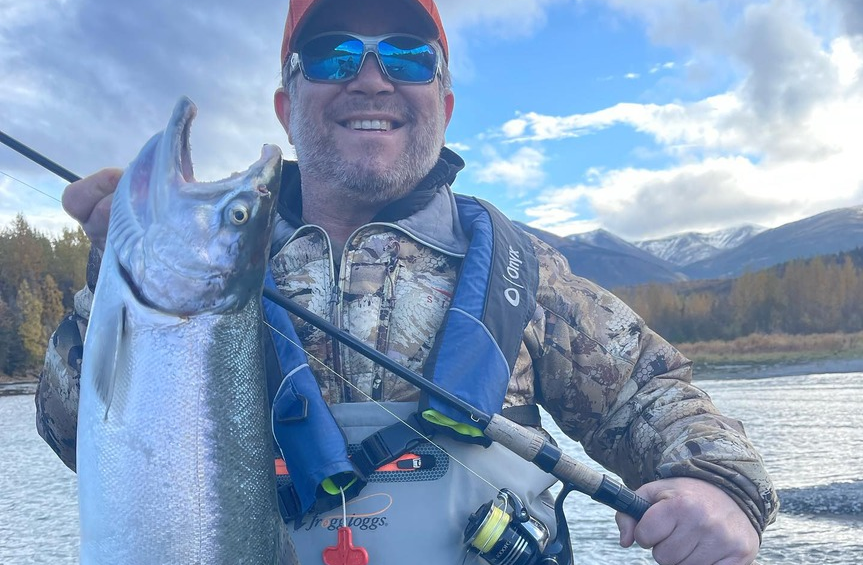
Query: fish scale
x=175, y=449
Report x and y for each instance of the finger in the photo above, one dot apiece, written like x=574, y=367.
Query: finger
x=96, y=226
x=719, y=552
x=626, y=524
x=656, y=525
x=679, y=549
x=81, y=197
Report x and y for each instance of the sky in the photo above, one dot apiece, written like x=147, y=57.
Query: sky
x=644, y=118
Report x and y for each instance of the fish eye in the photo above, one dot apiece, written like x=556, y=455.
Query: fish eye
x=238, y=214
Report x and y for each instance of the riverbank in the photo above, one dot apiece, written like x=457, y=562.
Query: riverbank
x=763, y=355
x=754, y=356
x=763, y=370
x=18, y=384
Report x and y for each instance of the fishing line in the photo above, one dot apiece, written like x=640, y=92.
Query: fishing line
x=530, y=445
x=52, y=197
x=382, y=407
x=71, y=178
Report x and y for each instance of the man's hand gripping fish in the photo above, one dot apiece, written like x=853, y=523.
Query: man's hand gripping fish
x=175, y=450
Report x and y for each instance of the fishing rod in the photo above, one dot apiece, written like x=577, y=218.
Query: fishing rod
x=38, y=158
x=528, y=444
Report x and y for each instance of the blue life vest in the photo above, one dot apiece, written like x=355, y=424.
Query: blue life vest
x=473, y=356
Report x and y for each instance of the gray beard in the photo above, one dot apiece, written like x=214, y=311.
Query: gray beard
x=363, y=178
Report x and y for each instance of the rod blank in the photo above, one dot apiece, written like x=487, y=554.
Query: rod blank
x=526, y=443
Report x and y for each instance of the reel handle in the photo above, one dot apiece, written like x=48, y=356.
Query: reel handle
x=532, y=446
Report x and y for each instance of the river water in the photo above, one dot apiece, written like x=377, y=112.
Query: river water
x=809, y=429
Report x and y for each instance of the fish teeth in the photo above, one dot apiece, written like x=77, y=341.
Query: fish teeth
x=371, y=125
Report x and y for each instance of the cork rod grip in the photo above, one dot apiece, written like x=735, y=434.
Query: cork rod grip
x=534, y=447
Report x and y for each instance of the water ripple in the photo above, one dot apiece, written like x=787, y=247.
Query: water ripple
x=844, y=500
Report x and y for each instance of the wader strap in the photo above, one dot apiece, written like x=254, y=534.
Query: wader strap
x=291, y=508
x=388, y=444
x=379, y=449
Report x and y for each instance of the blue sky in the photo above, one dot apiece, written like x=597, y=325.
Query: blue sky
x=644, y=118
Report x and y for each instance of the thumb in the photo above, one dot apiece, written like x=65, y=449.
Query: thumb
x=626, y=524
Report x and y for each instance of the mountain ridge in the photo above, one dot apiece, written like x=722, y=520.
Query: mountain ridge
x=611, y=261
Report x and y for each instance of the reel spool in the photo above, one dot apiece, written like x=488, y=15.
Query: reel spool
x=502, y=537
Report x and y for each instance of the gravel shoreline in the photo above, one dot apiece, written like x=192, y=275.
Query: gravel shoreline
x=701, y=372
x=732, y=370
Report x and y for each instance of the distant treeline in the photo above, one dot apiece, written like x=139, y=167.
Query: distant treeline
x=812, y=296
x=39, y=276
x=38, y=280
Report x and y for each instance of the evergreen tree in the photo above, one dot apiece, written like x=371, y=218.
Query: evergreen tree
x=33, y=342
x=52, y=307
x=68, y=264
x=23, y=255
x=8, y=335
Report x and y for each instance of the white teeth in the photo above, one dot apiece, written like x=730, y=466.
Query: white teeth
x=371, y=125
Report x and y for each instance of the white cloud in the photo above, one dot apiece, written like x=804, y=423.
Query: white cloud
x=514, y=128
x=846, y=55
x=458, y=147
x=505, y=18
x=42, y=211
x=663, y=67
x=780, y=144
x=522, y=169
x=851, y=15
x=639, y=203
x=558, y=220
x=88, y=84
x=501, y=18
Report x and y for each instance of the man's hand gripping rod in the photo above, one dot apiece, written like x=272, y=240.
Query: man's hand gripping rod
x=526, y=443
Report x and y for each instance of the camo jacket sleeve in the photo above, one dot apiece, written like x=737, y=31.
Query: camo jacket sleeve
x=625, y=393
x=59, y=381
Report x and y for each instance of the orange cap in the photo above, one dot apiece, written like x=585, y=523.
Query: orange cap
x=299, y=12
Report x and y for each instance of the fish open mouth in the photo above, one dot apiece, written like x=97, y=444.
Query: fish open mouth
x=187, y=111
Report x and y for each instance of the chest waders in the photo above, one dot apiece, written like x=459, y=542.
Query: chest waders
x=406, y=496
x=416, y=509
x=295, y=407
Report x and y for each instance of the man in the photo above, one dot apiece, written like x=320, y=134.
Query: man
x=373, y=240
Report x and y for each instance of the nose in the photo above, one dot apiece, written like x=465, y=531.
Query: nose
x=371, y=79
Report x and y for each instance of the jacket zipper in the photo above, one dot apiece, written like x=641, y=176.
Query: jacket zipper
x=387, y=306
x=335, y=316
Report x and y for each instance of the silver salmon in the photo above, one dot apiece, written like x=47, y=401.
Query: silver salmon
x=175, y=448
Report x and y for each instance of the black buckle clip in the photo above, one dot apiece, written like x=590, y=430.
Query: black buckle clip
x=387, y=445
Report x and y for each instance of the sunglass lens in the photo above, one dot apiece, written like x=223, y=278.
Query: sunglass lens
x=332, y=57
x=408, y=60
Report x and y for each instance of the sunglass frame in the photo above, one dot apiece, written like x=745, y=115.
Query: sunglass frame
x=371, y=45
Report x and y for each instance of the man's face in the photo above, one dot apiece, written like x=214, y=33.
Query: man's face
x=371, y=138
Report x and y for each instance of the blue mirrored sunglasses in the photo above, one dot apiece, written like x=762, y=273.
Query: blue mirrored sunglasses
x=339, y=56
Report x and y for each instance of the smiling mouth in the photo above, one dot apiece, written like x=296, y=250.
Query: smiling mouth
x=371, y=125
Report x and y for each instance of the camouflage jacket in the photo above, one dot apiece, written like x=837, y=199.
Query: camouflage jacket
x=607, y=380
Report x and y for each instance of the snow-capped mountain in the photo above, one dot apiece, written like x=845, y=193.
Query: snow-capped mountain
x=686, y=248
x=611, y=261
x=822, y=234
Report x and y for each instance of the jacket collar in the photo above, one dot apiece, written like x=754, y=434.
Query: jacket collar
x=425, y=213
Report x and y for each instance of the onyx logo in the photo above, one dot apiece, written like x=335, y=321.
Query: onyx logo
x=513, y=273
